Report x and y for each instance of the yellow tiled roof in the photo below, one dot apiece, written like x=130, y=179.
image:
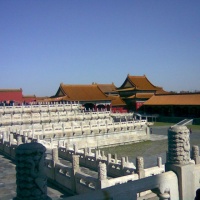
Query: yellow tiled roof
x=83, y=92
x=117, y=101
x=126, y=89
x=106, y=88
x=144, y=95
x=142, y=83
x=174, y=99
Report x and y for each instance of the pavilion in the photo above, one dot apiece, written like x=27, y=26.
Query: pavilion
x=136, y=90
x=174, y=105
x=90, y=96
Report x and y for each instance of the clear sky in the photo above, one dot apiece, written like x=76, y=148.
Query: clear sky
x=47, y=42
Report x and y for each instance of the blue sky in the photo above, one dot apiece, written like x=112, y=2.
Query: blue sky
x=46, y=42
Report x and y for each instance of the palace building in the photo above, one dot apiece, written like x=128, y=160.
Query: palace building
x=118, y=105
x=90, y=96
x=136, y=90
x=108, y=89
x=174, y=105
x=9, y=96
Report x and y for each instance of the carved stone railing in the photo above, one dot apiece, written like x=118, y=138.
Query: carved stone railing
x=39, y=116
x=39, y=108
x=167, y=185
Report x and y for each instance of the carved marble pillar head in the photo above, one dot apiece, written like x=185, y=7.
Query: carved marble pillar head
x=30, y=166
x=178, y=145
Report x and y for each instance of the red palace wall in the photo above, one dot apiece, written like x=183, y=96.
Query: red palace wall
x=138, y=105
x=11, y=96
x=29, y=99
x=118, y=110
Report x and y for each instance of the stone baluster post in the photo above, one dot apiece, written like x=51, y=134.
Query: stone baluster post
x=75, y=169
x=54, y=161
x=30, y=167
x=102, y=171
x=63, y=129
x=43, y=129
x=55, y=156
x=159, y=162
x=96, y=155
x=3, y=137
x=53, y=128
x=19, y=140
x=75, y=148
x=127, y=159
x=123, y=163
x=99, y=152
x=109, y=158
x=58, y=116
x=102, y=175
x=115, y=158
x=89, y=151
x=195, y=154
x=11, y=118
x=51, y=142
x=179, y=160
x=11, y=139
x=140, y=167
x=66, y=146
x=59, y=145
x=85, y=152
x=25, y=138
x=38, y=138
x=63, y=143
x=103, y=155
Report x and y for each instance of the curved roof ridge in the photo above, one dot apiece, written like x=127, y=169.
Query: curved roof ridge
x=63, y=91
x=83, y=91
x=131, y=79
x=10, y=90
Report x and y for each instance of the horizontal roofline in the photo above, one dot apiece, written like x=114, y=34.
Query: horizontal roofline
x=173, y=94
x=10, y=90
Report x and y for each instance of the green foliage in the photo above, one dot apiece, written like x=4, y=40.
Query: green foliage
x=163, y=124
x=194, y=127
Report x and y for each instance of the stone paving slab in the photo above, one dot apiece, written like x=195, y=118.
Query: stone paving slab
x=7, y=179
x=154, y=137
